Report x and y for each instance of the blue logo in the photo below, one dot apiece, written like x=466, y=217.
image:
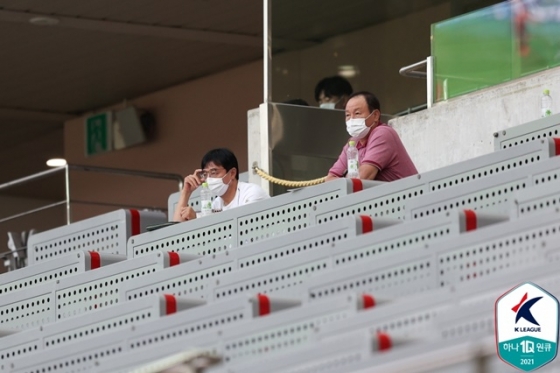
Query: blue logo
x=524, y=310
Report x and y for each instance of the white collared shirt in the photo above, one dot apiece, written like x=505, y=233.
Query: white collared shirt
x=246, y=193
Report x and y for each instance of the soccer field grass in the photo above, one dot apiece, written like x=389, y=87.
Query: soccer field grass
x=480, y=49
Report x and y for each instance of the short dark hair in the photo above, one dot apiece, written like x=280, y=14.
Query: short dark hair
x=371, y=100
x=333, y=86
x=221, y=157
x=296, y=101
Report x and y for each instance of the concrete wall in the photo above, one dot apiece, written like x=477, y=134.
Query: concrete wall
x=462, y=128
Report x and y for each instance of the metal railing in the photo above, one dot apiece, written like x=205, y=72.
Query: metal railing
x=411, y=71
x=10, y=257
x=66, y=169
x=410, y=110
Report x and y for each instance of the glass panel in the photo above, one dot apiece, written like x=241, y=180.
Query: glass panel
x=364, y=41
x=494, y=45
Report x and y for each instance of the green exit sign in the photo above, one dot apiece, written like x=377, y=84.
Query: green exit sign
x=98, y=133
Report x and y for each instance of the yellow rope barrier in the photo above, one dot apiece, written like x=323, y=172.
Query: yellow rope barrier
x=288, y=183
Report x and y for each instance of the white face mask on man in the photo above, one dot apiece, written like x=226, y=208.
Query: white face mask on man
x=357, y=127
x=217, y=185
x=328, y=105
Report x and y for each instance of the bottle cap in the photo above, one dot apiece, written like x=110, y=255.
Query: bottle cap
x=546, y=92
x=205, y=185
x=352, y=143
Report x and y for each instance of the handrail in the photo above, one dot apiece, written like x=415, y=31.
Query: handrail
x=410, y=71
x=6, y=254
x=119, y=205
x=122, y=171
x=29, y=212
x=26, y=179
x=411, y=110
x=66, y=169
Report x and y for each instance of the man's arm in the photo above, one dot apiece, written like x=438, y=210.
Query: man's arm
x=367, y=171
x=379, y=153
x=339, y=167
x=183, y=211
x=331, y=177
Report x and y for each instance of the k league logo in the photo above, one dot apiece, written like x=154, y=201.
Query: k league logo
x=527, y=327
x=523, y=310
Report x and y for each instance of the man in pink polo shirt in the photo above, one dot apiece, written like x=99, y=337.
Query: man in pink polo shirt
x=381, y=154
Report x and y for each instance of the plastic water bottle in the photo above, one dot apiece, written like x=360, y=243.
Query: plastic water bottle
x=352, y=155
x=546, y=104
x=205, y=200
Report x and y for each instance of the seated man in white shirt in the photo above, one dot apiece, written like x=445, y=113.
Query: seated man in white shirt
x=220, y=170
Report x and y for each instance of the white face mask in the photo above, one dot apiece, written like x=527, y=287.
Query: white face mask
x=357, y=127
x=217, y=185
x=328, y=105
x=331, y=104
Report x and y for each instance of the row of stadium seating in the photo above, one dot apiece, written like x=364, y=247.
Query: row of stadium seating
x=343, y=276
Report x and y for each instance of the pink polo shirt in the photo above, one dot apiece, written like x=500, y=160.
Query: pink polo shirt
x=384, y=150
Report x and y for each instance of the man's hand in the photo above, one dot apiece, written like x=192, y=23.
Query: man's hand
x=192, y=182
x=187, y=213
x=331, y=177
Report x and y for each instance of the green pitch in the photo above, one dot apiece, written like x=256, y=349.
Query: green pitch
x=491, y=46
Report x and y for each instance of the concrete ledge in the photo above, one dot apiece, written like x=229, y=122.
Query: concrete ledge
x=462, y=128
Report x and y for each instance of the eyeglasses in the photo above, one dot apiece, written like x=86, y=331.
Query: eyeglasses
x=212, y=172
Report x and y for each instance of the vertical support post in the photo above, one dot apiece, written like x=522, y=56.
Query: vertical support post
x=257, y=144
x=264, y=144
x=67, y=192
x=267, y=52
x=482, y=362
x=430, y=80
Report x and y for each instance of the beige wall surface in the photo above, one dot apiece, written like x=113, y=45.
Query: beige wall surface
x=192, y=118
x=462, y=128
